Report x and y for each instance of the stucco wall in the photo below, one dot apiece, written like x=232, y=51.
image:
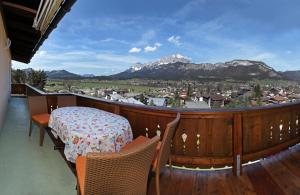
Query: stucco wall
x=5, y=64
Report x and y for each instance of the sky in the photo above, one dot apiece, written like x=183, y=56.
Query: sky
x=108, y=36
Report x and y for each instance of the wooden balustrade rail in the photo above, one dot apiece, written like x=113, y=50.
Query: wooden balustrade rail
x=207, y=138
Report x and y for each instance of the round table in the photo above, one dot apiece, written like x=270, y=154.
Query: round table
x=85, y=129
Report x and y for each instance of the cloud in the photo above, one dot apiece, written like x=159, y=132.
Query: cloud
x=146, y=37
x=189, y=7
x=116, y=59
x=152, y=48
x=264, y=56
x=175, y=40
x=135, y=50
x=98, y=62
x=41, y=53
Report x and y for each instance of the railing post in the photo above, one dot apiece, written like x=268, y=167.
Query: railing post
x=237, y=144
x=117, y=109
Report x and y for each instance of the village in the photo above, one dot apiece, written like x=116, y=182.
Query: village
x=197, y=95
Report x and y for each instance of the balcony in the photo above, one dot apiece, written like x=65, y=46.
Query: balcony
x=220, y=140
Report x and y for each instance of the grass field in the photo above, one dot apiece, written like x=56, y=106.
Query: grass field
x=54, y=86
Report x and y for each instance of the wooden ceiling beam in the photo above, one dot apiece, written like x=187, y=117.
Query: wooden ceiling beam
x=23, y=50
x=20, y=36
x=17, y=6
x=23, y=36
x=20, y=58
x=22, y=27
x=18, y=13
x=20, y=52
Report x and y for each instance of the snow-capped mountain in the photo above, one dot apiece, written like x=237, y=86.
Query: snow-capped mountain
x=175, y=58
x=180, y=67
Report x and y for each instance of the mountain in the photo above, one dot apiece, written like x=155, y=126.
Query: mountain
x=88, y=75
x=62, y=74
x=178, y=67
x=292, y=75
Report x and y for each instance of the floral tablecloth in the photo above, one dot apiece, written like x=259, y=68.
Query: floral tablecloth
x=84, y=130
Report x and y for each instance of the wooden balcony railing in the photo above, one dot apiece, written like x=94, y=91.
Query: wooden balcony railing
x=207, y=138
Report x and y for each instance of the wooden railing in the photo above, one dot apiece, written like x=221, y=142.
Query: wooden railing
x=18, y=89
x=208, y=138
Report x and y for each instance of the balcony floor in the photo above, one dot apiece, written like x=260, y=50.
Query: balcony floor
x=26, y=168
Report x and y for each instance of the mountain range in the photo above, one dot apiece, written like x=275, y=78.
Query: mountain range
x=179, y=67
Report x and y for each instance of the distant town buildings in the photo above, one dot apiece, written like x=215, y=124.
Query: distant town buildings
x=196, y=94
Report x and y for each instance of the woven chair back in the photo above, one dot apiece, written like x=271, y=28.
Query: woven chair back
x=165, y=148
x=120, y=173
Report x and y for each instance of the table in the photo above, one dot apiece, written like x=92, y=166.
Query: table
x=85, y=129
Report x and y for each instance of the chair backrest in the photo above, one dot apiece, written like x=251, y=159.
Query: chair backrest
x=120, y=173
x=165, y=148
x=37, y=105
x=66, y=100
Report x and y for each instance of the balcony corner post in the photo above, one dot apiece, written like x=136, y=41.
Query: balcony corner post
x=237, y=144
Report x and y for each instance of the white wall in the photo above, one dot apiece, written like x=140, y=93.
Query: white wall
x=5, y=66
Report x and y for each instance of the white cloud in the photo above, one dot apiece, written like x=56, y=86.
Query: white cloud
x=264, y=56
x=152, y=48
x=135, y=50
x=41, y=53
x=189, y=7
x=158, y=44
x=146, y=37
x=110, y=58
x=175, y=40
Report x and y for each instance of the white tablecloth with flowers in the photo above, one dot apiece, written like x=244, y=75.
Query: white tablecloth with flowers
x=85, y=129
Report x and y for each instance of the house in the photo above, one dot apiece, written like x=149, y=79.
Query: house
x=196, y=104
x=157, y=101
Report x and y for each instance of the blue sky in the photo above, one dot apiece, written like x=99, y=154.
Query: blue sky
x=108, y=36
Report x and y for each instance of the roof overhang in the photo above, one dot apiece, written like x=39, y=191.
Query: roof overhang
x=19, y=17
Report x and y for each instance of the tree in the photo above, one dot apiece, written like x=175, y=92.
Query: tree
x=68, y=84
x=257, y=91
x=143, y=99
x=220, y=87
x=151, y=103
x=190, y=91
x=37, y=78
x=177, y=98
x=18, y=76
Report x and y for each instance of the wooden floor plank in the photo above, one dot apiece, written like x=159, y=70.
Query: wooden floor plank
x=262, y=182
x=241, y=185
x=291, y=162
x=284, y=178
x=200, y=183
x=278, y=174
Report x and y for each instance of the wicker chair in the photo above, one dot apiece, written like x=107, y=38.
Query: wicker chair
x=39, y=114
x=125, y=172
x=68, y=100
x=163, y=150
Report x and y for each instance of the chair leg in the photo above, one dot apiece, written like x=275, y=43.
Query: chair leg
x=78, y=188
x=42, y=135
x=157, y=183
x=30, y=127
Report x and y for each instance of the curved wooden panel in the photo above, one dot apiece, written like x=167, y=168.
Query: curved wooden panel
x=209, y=138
